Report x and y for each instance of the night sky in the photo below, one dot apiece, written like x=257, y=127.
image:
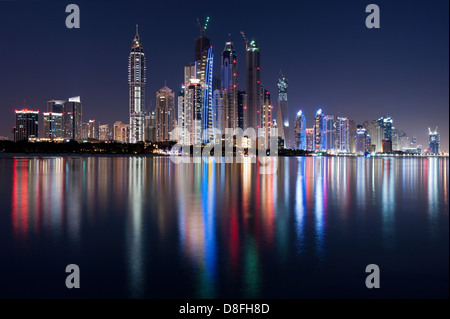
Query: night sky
x=330, y=58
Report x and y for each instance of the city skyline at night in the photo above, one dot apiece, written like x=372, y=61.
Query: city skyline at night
x=364, y=91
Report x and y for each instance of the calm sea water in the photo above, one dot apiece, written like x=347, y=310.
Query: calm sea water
x=143, y=227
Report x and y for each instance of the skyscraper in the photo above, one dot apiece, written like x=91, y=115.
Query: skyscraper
x=266, y=117
x=53, y=125
x=310, y=139
x=283, y=111
x=181, y=114
x=300, y=131
x=329, y=132
x=27, y=124
x=73, y=106
x=202, y=45
x=136, y=81
x=242, y=113
x=104, y=133
x=253, y=77
x=434, y=141
x=165, y=113
x=361, y=136
x=217, y=110
x=207, y=111
x=341, y=136
x=150, y=127
x=121, y=132
x=229, y=85
x=93, y=130
x=319, y=132
x=193, y=108
x=386, y=125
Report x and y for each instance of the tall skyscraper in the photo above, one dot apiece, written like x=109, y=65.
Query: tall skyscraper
x=310, y=139
x=253, y=77
x=181, y=114
x=329, y=132
x=283, y=112
x=434, y=139
x=136, y=81
x=73, y=106
x=361, y=136
x=242, y=109
x=165, y=113
x=93, y=130
x=202, y=46
x=341, y=136
x=376, y=133
x=266, y=117
x=218, y=110
x=207, y=111
x=193, y=108
x=229, y=85
x=319, y=132
x=386, y=124
x=53, y=125
x=300, y=131
x=150, y=127
x=27, y=125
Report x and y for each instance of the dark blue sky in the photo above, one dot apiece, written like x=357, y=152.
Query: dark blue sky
x=323, y=47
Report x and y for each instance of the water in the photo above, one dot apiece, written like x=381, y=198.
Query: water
x=143, y=227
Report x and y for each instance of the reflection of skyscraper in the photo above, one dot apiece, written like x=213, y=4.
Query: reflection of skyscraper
x=253, y=76
x=283, y=112
x=26, y=125
x=434, y=141
x=300, y=131
x=165, y=113
x=136, y=80
x=319, y=131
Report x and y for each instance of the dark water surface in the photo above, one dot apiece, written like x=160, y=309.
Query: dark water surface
x=143, y=227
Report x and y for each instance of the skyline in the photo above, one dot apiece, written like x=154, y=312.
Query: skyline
x=343, y=91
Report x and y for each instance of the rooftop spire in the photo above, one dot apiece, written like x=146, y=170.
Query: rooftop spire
x=137, y=29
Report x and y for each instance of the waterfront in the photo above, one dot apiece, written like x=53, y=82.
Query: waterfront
x=144, y=227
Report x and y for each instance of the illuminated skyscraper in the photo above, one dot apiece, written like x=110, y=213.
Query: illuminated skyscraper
x=165, y=113
x=242, y=109
x=283, y=112
x=27, y=125
x=136, y=81
x=266, y=117
x=434, y=141
x=93, y=130
x=229, y=85
x=341, y=136
x=150, y=127
x=217, y=110
x=193, y=108
x=319, y=132
x=53, y=125
x=207, y=111
x=253, y=77
x=361, y=136
x=329, y=132
x=121, y=132
x=73, y=106
x=104, y=133
x=310, y=139
x=300, y=131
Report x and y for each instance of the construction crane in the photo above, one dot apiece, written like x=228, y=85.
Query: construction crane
x=245, y=39
x=203, y=27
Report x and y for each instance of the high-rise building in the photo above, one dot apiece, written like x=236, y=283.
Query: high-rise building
x=242, y=109
x=218, y=110
x=266, y=117
x=361, y=137
x=121, y=132
x=202, y=46
x=283, y=112
x=165, y=113
x=104, y=133
x=352, y=136
x=368, y=144
x=53, y=125
x=136, y=81
x=434, y=141
x=386, y=125
x=93, y=130
x=74, y=108
x=376, y=133
x=341, y=136
x=329, y=132
x=310, y=139
x=150, y=127
x=386, y=145
x=253, y=77
x=319, y=132
x=180, y=113
x=300, y=131
x=27, y=124
x=193, y=108
x=229, y=86
x=207, y=110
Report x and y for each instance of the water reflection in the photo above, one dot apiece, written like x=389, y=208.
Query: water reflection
x=227, y=228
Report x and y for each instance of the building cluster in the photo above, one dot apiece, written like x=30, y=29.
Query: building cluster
x=206, y=105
